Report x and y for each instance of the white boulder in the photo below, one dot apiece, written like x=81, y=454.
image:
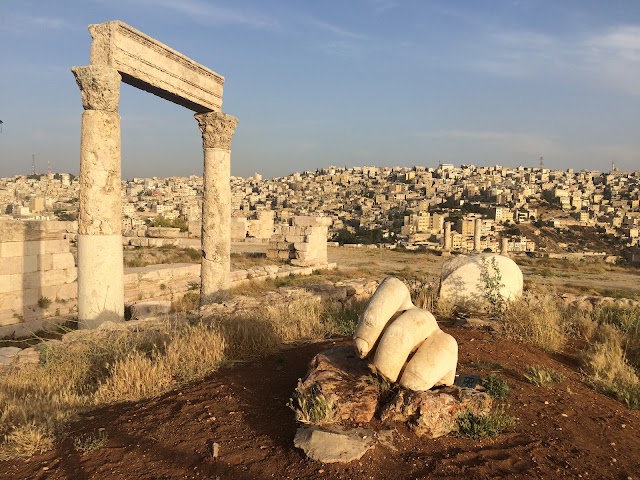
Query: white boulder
x=480, y=282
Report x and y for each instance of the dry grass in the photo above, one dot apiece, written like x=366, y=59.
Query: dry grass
x=143, y=256
x=133, y=364
x=538, y=320
x=612, y=334
x=607, y=368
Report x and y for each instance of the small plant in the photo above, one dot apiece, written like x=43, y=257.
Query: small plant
x=382, y=384
x=495, y=386
x=44, y=302
x=130, y=312
x=90, y=442
x=472, y=425
x=312, y=406
x=492, y=284
x=542, y=376
x=163, y=286
x=193, y=286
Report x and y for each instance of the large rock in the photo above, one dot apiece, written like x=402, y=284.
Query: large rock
x=480, y=282
x=433, y=413
x=335, y=444
x=342, y=378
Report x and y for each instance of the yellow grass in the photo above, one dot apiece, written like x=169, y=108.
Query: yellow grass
x=133, y=364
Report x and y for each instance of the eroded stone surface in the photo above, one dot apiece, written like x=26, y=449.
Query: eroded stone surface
x=150, y=65
x=217, y=129
x=433, y=413
x=334, y=445
x=340, y=375
x=99, y=87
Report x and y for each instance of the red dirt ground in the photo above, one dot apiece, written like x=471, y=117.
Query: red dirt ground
x=567, y=431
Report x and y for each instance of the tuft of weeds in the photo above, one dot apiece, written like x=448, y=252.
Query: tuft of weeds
x=26, y=440
x=341, y=320
x=189, y=302
x=90, y=442
x=542, y=376
x=312, y=406
x=537, y=320
x=495, y=386
x=472, y=425
x=44, y=302
x=607, y=369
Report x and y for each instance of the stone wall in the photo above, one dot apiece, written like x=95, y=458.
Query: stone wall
x=258, y=226
x=37, y=274
x=303, y=242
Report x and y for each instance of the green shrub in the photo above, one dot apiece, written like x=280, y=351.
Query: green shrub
x=475, y=426
x=312, y=406
x=495, y=386
x=44, y=302
x=542, y=376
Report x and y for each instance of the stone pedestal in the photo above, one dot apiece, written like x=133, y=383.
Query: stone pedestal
x=100, y=269
x=217, y=131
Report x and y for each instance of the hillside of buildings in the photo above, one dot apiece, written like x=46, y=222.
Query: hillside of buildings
x=536, y=210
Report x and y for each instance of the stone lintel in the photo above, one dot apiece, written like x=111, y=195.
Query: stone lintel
x=154, y=67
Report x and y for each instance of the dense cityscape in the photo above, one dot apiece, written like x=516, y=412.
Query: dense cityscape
x=536, y=209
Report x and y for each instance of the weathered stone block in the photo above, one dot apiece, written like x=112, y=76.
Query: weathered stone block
x=433, y=413
x=62, y=261
x=11, y=265
x=152, y=66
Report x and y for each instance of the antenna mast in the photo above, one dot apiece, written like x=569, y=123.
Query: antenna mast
x=33, y=164
x=541, y=162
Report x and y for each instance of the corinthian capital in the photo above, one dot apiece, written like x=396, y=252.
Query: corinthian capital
x=99, y=87
x=217, y=129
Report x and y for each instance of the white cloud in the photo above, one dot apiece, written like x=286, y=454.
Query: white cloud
x=609, y=59
x=29, y=23
x=338, y=31
x=382, y=6
x=205, y=12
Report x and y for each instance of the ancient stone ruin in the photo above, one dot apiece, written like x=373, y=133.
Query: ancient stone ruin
x=345, y=389
x=303, y=242
x=119, y=52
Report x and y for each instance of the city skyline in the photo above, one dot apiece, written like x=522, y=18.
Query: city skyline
x=371, y=82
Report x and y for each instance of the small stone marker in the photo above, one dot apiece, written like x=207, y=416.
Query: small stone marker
x=467, y=381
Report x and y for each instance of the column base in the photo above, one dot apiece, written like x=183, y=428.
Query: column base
x=100, y=280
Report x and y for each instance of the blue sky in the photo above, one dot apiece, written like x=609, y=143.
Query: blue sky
x=341, y=82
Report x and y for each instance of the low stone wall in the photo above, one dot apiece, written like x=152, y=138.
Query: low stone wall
x=303, y=241
x=346, y=292
x=37, y=274
x=161, y=242
x=150, y=290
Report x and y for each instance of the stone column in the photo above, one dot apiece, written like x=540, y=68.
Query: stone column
x=447, y=237
x=504, y=246
x=477, y=233
x=217, y=131
x=100, y=270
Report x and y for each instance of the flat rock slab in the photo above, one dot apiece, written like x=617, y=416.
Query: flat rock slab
x=334, y=444
x=338, y=374
x=433, y=413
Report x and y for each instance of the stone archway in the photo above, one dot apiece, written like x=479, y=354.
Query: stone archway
x=120, y=53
